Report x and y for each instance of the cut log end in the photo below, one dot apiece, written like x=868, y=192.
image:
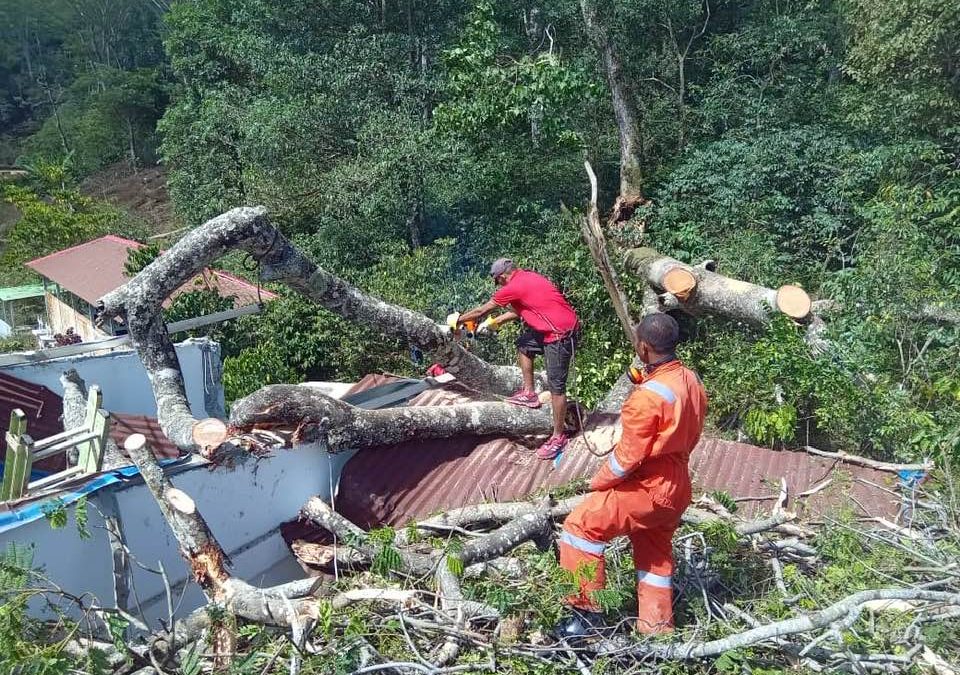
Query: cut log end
x=209, y=433
x=180, y=500
x=794, y=301
x=679, y=282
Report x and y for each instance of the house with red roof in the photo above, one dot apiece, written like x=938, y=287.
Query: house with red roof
x=75, y=278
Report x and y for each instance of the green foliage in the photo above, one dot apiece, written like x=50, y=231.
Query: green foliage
x=52, y=220
x=80, y=79
x=486, y=92
x=725, y=500
x=17, y=344
x=24, y=644
x=55, y=511
x=138, y=258
x=255, y=367
x=81, y=517
x=768, y=381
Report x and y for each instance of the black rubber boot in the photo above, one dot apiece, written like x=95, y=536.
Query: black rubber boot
x=580, y=624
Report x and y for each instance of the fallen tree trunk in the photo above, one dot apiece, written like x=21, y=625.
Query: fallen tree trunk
x=346, y=427
x=699, y=290
x=139, y=303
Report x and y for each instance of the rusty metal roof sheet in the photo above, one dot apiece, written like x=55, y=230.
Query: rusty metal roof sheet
x=123, y=425
x=396, y=484
x=43, y=409
x=93, y=269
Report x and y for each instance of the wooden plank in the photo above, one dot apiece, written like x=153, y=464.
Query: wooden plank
x=52, y=450
x=54, y=479
x=11, y=462
x=69, y=434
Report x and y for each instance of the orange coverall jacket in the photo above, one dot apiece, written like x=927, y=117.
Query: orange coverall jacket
x=641, y=491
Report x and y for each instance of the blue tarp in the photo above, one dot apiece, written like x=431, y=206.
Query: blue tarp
x=35, y=474
x=31, y=511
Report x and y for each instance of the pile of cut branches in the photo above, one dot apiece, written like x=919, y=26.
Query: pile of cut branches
x=477, y=588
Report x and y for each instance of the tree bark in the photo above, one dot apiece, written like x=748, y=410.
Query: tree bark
x=75, y=414
x=139, y=303
x=624, y=106
x=712, y=293
x=312, y=414
x=597, y=243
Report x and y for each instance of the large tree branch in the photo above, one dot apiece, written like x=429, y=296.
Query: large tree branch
x=850, y=606
x=597, y=243
x=347, y=427
x=139, y=304
x=698, y=290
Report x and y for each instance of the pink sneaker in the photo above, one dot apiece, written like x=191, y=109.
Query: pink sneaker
x=528, y=399
x=553, y=447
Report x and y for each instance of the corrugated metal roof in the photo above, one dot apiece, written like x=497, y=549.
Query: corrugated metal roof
x=396, y=484
x=93, y=269
x=123, y=425
x=20, y=292
x=43, y=409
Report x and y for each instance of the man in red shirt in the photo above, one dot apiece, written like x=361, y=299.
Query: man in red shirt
x=552, y=329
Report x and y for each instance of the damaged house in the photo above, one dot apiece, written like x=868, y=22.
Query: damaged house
x=243, y=512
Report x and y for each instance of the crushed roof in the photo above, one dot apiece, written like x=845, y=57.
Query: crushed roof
x=396, y=484
x=94, y=268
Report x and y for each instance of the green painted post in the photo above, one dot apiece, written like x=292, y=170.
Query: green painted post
x=21, y=480
x=97, y=420
x=15, y=455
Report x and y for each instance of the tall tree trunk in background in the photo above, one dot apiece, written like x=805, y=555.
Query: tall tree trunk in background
x=415, y=218
x=624, y=107
x=681, y=57
x=534, y=30
x=132, y=144
x=55, y=104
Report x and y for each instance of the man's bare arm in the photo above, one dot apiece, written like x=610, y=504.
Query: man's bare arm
x=478, y=313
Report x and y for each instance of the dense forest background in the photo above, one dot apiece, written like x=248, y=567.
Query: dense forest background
x=406, y=144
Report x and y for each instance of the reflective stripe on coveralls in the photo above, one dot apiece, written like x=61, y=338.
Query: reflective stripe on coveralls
x=640, y=491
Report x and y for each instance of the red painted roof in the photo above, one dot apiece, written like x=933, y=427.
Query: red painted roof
x=93, y=269
x=124, y=425
x=396, y=484
x=44, y=409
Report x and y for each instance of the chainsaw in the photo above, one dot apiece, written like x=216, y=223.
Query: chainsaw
x=461, y=331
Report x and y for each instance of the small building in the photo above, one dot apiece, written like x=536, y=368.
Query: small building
x=10, y=298
x=74, y=279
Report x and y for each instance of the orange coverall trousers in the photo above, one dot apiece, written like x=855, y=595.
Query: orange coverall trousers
x=640, y=492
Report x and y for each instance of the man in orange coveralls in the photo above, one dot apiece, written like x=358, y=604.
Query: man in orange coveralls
x=643, y=487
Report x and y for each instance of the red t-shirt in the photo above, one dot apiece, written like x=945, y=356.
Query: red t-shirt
x=539, y=304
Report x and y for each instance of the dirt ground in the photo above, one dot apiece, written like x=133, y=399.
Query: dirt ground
x=144, y=194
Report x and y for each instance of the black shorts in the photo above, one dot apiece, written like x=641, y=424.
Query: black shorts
x=557, y=354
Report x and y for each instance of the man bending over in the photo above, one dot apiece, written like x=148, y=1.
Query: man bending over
x=552, y=329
